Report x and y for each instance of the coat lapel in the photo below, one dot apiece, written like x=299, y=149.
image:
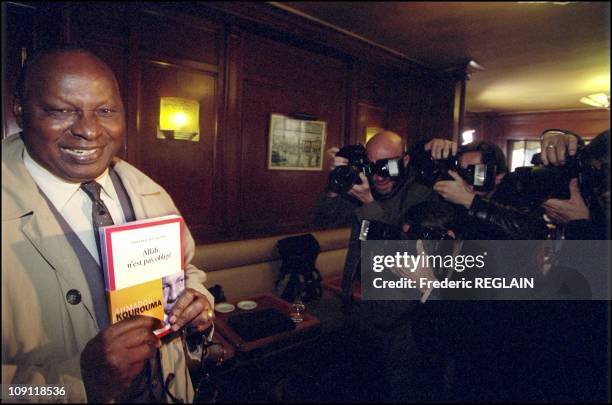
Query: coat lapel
x=146, y=196
x=46, y=235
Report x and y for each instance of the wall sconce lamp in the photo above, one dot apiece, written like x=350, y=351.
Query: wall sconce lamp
x=599, y=100
x=179, y=118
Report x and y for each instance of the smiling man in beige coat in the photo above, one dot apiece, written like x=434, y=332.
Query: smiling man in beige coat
x=53, y=332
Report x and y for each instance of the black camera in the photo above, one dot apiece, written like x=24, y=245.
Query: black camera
x=429, y=171
x=540, y=182
x=342, y=178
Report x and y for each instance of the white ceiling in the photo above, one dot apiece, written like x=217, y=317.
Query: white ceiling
x=536, y=55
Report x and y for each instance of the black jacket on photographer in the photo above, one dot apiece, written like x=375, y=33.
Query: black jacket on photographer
x=506, y=215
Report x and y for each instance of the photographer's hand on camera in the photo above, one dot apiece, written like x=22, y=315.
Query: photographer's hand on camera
x=556, y=146
x=334, y=162
x=441, y=148
x=362, y=191
x=564, y=211
x=456, y=191
x=333, y=209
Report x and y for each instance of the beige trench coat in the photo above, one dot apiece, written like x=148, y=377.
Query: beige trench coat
x=42, y=334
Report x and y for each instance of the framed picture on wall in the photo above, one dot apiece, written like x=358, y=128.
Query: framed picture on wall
x=295, y=144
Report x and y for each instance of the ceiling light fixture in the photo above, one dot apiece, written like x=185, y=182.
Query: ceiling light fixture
x=599, y=100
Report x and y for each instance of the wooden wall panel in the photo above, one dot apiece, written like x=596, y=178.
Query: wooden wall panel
x=372, y=99
x=185, y=169
x=406, y=110
x=175, y=56
x=105, y=23
x=411, y=107
x=179, y=36
x=369, y=116
x=586, y=123
x=26, y=27
x=279, y=78
x=277, y=62
x=438, y=102
x=500, y=128
x=240, y=69
x=19, y=33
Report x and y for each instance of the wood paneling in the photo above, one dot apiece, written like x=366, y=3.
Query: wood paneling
x=20, y=34
x=105, y=23
x=280, y=78
x=241, y=64
x=264, y=18
x=176, y=61
x=369, y=116
x=179, y=36
x=500, y=128
x=392, y=100
x=586, y=123
x=438, y=99
x=28, y=27
x=185, y=169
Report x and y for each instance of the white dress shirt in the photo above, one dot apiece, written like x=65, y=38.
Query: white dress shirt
x=73, y=203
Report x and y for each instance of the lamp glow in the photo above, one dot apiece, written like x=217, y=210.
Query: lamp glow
x=179, y=119
x=179, y=115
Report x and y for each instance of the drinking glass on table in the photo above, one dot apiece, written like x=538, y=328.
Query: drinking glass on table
x=297, y=310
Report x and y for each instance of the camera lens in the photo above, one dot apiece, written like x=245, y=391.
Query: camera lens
x=342, y=178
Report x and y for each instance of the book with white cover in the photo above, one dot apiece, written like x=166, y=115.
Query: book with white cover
x=136, y=256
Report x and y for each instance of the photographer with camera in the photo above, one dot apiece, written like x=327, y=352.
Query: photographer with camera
x=580, y=209
x=494, y=210
x=373, y=183
x=585, y=212
x=367, y=184
x=366, y=180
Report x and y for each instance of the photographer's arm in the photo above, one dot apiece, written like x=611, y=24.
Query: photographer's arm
x=518, y=224
x=334, y=162
x=371, y=209
x=334, y=211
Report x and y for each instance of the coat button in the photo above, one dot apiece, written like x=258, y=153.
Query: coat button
x=73, y=297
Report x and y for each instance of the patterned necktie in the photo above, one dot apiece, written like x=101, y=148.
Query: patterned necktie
x=100, y=215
